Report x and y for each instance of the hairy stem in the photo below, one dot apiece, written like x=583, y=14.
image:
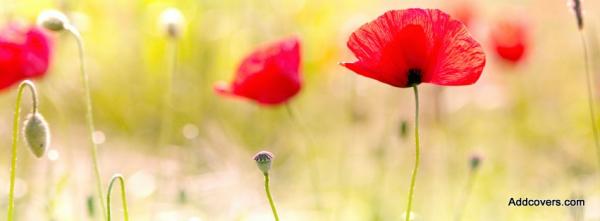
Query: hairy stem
x=15, y=139
x=123, y=197
x=417, y=157
x=89, y=114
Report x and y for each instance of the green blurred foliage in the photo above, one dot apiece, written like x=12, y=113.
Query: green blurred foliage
x=530, y=121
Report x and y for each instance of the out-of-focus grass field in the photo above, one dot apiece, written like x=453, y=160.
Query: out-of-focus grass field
x=530, y=121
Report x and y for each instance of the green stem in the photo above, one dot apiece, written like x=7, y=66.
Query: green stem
x=465, y=195
x=15, y=139
x=590, y=93
x=313, y=170
x=121, y=180
x=166, y=118
x=89, y=115
x=268, y=190
x=417, y=156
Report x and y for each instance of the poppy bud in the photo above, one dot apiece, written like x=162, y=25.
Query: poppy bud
x=171, y=21
x=263, y=161
x=52, y=20
x=475, y=161
x=37, y=134
x=403, y=129
x=576, y=6
x=90, y=205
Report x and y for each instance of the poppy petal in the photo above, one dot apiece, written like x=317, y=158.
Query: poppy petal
x=37, y=53
x=509, y=39
x=9, y=57
x=270, y=75
x=24, y=53
x=361, y=69
x=426, y=44
x=383, y=45
x=458, y=58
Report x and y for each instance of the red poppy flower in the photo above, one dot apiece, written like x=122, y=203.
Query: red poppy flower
x=403, y=48
x=24, y=54
x=509, y=39
x=269, y=76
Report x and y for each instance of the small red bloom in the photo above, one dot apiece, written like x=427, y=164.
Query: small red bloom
x=509, y=39
x=24, y=54
x=269, y=76
x=403, y=48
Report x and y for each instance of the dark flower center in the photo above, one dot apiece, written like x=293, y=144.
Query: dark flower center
x=414, y=77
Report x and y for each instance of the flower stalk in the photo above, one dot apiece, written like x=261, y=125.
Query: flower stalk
x=263, y=161
x=89, y=111
x=417, y=157
x=166, y=118
x=474, y=164
x=590, y=94
x=270, y=198
x=577, y=8
x=42, y=136
x=56, y=21
x=115, y=178
x=171, y=22
x=313, y=170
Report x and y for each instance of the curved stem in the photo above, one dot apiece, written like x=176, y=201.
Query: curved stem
x=590, y=93
x=15, y=138
x=121, y=180
x=89, y=115
x=417, y=156
x=166, y=118
x=268, y=190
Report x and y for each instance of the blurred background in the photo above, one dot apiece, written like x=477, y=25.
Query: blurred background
x=345, y=157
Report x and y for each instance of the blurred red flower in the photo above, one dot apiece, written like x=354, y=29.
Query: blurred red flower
x=24, y=54
x=509, y=39
x=464, y=11
x=269, y=76
x=404, y=48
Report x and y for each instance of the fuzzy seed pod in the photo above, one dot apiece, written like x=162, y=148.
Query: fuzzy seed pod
x=263, y=161
x=171, y=21
x=52, y=20
x=37, y=134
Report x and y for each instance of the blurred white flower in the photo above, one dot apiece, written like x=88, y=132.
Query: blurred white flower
x=171, y=22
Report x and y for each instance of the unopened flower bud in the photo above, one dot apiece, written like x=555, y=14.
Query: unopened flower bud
x=263, y=161
x=171, y=21
x=52, y=20
x=475, y=161
x=575, y=5
x=37, y=134
x=91, y=209
x=403, y=129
